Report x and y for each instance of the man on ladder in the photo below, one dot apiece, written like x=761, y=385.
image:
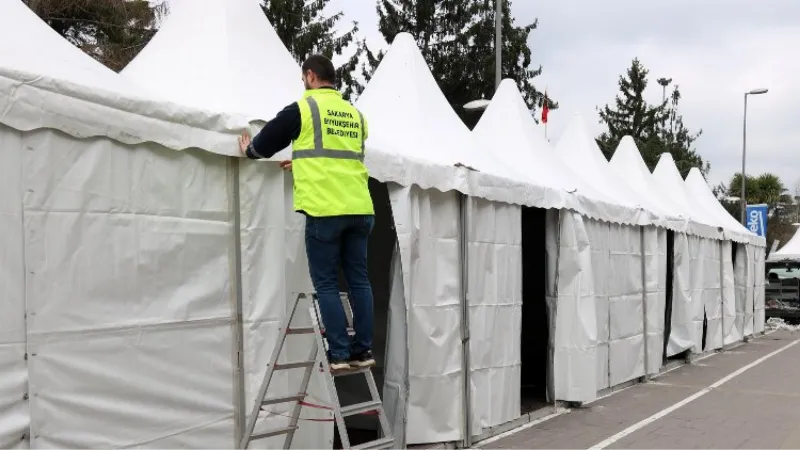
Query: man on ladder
x=331, y=189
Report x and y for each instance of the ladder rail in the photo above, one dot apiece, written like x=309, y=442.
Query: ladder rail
x=317, y=358
x=262, y=390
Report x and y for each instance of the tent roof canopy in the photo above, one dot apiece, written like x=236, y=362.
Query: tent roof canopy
x=46, y=82
x=699, y=190
x=580, y=151
x=789, y=251
x=415, y=137
x=670, y=182
x=221, y=56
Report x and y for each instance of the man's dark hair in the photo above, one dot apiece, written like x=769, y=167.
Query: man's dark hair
x=322, y=68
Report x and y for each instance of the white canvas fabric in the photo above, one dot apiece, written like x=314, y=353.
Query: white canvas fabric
x=743, y=292
x=682, y=331
x=580, y=151
x=655, y=248
x=628, y=165
x=14, y=408
x=495, y=311
x=731, y=315
x=759, y=281
x=415, y=137
x=127, y=294
x=789, y=250
x=701, y=193
x=46, y=82
x=572, y=309
x=669, y=181
x=618, y=287
x=706, y=294
x=225, y=56
x=427, y=223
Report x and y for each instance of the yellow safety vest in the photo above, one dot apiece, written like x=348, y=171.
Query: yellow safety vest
x=330, y=178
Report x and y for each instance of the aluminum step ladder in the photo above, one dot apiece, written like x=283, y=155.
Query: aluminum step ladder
x=316, y=359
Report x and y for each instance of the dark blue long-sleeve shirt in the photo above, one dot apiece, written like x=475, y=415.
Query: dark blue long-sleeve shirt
x=277, y=134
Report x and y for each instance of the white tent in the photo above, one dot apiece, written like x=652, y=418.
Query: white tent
x=628, y=164
x=738, y=307
x=417, y=122
x=619, y=282
x=789, y=250
x=696, y=281
x=225, y=56
x=117, y=251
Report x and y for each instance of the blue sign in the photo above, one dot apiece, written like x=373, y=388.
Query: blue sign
x=757, y=219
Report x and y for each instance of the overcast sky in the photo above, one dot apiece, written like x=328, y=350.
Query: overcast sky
x=715, y=50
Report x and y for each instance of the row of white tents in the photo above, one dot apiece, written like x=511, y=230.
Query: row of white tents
x=144, y=271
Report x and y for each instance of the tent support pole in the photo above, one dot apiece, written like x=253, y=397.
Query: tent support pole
x=235, y=280
x=722, y=290
x=465, y=332
x=644, y=304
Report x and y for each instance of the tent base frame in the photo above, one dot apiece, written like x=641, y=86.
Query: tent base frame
x=526, y=418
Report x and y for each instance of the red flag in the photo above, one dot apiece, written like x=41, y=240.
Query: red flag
x=545, y=109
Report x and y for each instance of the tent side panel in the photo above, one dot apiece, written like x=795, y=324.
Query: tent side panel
x=749, y=318
x=572, y=312
x=655, y=241
x=706, y=293
x=395, y=384
x=428, y=235
x=729, y=311
x=682, y=334
x=623, y=275
x=495, y=309
x=14, y=415
x=740, y=271
x=128, y=305
x=759, y=306
x=599, y=234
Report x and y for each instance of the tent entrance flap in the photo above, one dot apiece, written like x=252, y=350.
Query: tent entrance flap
x=535, y=327
x=382, y=242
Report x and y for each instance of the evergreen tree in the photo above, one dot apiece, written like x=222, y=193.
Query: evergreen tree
x=631, y=115
x=305, y=31
x=111, y=31
x=457, y=39
x=656, y=129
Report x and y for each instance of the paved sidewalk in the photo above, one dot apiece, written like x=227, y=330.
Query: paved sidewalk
x=757, y=408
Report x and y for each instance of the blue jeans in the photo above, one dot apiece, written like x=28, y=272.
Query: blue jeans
x=331, y=241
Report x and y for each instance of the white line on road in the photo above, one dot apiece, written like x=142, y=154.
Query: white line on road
x=638, y=426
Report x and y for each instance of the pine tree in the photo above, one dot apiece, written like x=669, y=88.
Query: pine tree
x=656, y=129
x=305, y=31
x=457, y=39
x=631, y=114
x=111, y=31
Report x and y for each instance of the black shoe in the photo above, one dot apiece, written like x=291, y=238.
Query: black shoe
x=363, y=359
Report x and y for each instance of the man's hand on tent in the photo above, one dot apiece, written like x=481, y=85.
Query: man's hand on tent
x=286, y=165
x=244, y=142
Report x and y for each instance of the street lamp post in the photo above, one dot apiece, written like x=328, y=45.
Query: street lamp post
x=498, y=43
x=744, y=154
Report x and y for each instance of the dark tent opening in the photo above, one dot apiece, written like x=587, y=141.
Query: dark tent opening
x=535, y=329
x=353, y=389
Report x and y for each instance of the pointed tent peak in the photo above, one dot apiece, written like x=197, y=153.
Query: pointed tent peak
x=577, y=145
x=628, y=156
x=508, y=110
x=666, y=169
x=221, y=55
x=419, y=112
x=695, y=173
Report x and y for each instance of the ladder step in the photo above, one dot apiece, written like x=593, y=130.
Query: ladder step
x=359, y=408
x=284, y=399
x=277, y=432
x=300, y=330
x=387, y=442
x=346, y=372
x=295, y=365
